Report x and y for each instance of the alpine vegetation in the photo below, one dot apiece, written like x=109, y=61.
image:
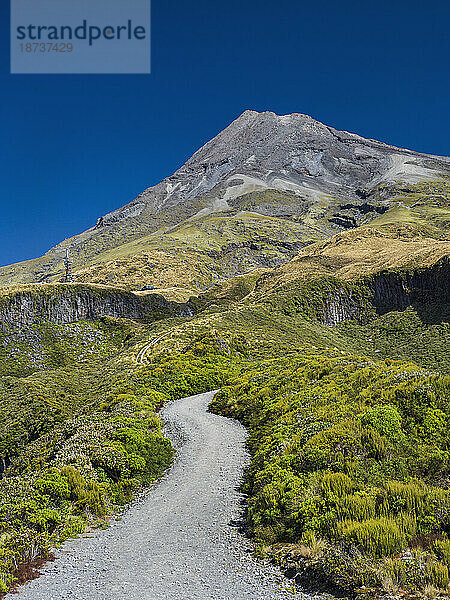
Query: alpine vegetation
x=301, y=271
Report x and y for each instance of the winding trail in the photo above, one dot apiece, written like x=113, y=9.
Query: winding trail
x=140, y=357
x=177, y=542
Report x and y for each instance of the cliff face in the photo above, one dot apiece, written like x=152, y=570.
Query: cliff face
x=396, y=291
x=68, y=304
x=428, y=290
x=341, y=305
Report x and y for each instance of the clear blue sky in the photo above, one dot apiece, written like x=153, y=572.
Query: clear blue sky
x=75, y=147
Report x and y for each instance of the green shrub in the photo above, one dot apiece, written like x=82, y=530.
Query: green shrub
x=52, y=484
x=356, y=507
x=338, y=484
x=437, y=574
x=435, y=426
x=379, y=537
x=394, y=570
x=375, y=443
x=410, y=496
x=442, y=550
x=332, y=448
x=386, y=420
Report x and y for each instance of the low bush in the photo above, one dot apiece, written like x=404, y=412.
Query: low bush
x=76, y=461
x=354, y=452
x=378, y=537
x=437, y=575
x=441, y=548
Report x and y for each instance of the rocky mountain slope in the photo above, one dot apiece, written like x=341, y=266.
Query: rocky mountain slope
x=292, y=266
x=252, y=197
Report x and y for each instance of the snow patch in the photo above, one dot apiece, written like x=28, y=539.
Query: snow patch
x=217, y=205
x=170, y=188
x=404, y=168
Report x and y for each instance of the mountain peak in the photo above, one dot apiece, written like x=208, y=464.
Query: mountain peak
x=289, y=167
x=269, y=115
x=291, y=153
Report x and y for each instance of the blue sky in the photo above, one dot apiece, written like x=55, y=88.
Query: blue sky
x=75, y=147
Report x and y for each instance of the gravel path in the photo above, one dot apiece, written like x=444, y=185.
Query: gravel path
x=177, y=541
x=140, y=358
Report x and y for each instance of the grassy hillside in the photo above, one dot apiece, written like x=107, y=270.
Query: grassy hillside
x=348, y=256
x=77, y=443
x=192, y=247
x=48, y=345
x=191, y=252
x=88, y=437
x=349, y=478
x=331, y=349
x=80, y=439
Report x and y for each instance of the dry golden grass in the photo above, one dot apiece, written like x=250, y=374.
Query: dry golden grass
x=359, y=252
x=173, y=250
x=163, y=269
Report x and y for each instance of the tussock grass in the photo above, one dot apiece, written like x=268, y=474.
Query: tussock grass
x=341, y=453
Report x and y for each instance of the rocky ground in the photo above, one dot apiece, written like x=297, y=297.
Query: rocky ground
x=180, y=540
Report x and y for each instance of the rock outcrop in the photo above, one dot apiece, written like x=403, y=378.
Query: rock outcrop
x=396, y=290
x=427, y=290
x=341, y=305
x=71, y=303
